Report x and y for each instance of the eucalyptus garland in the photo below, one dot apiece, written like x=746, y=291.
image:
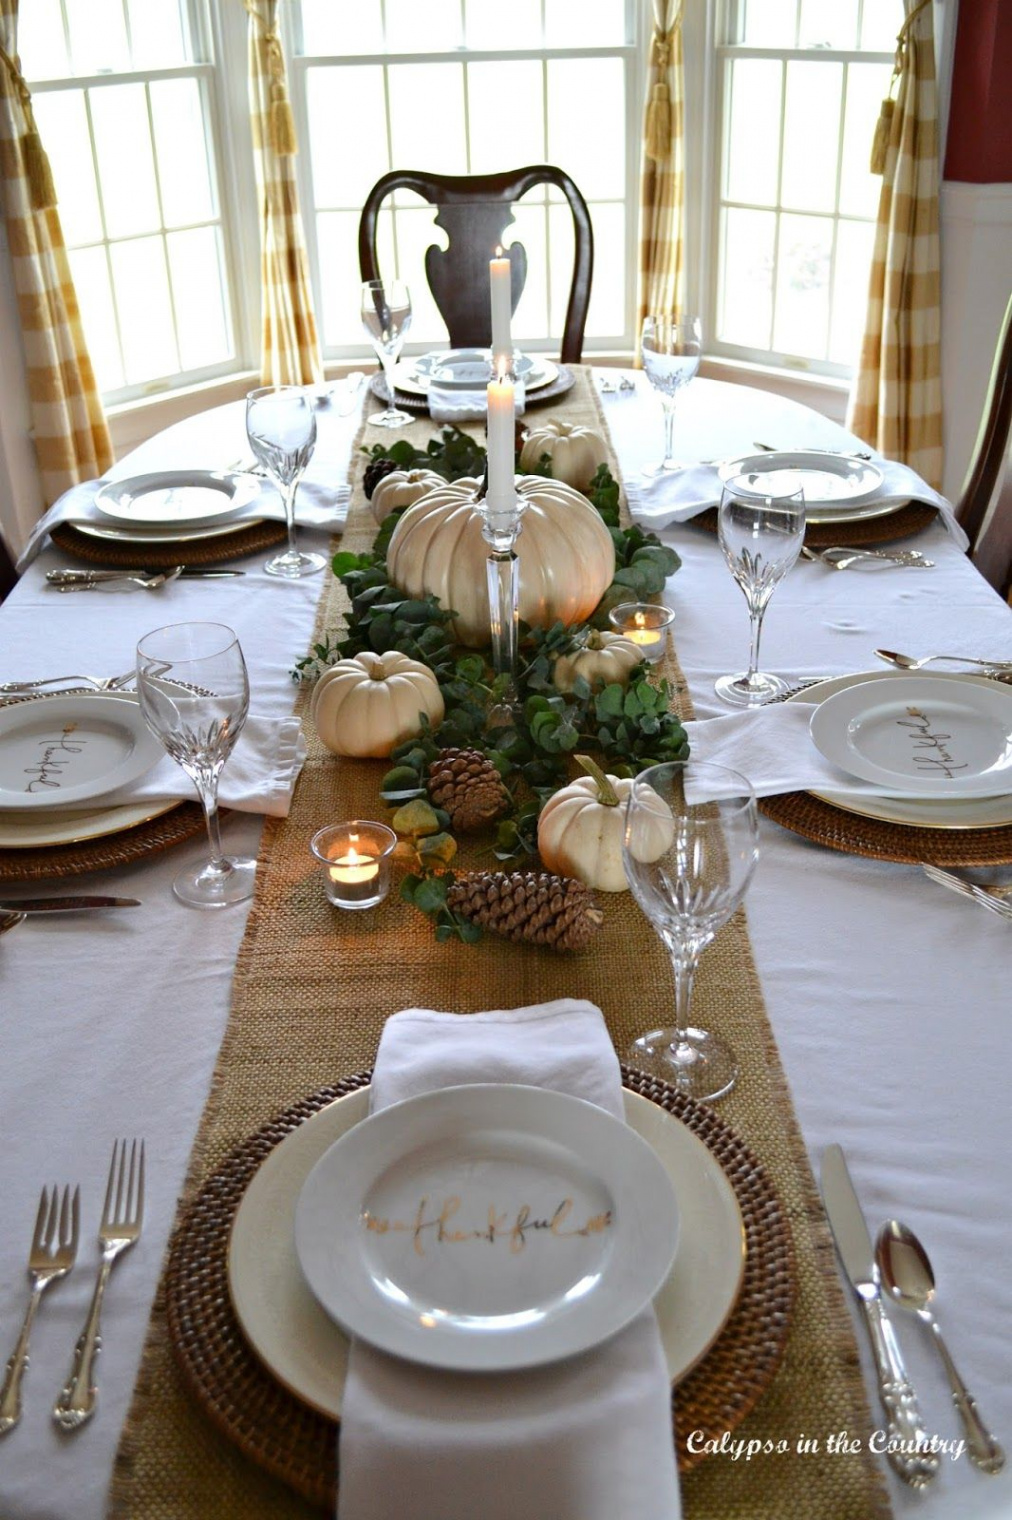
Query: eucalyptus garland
x=630, y=726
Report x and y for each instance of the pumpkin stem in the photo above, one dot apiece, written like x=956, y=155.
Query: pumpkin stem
x=606, y=793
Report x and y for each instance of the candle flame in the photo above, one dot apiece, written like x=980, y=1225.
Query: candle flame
x=498, y=251
x=640, y=620
x=353, y=858
x=501, y=369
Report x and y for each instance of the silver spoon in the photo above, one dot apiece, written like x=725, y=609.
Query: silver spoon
x=841, y=558
x=908, y=1279
x=10, y=921
x=910, y=662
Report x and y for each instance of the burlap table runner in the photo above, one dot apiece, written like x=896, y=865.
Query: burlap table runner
x=312, y=989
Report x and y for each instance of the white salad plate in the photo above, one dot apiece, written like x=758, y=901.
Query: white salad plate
x=487, y=1227
x=837, y=487
x=32, y=831
x=936, y=737
x=60, y=751
x=917, y=812
x=177, y=498
x=303, y=1347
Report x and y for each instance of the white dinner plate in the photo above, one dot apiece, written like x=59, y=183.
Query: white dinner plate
x=299, y=1343
x=177, y=498
x=31, y=831
x=487, y=1227
x=837, y=487
x=917, y=812
x=415, y=376
x=60, y=751
x=937, y=737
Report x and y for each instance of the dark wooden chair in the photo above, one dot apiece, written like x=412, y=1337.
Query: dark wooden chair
x=990, y=531
x=8, y=574
x=474, y=211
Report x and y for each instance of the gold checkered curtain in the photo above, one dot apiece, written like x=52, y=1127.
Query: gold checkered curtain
x=662, y=184
x=68, y=423
x=896, y=403
x=290, y=346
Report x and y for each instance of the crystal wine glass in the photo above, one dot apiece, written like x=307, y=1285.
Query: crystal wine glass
x=671, y=349
x=386, y=317
x=690, y=847
x=194, y=694
x=281, y=428
x=761, y=535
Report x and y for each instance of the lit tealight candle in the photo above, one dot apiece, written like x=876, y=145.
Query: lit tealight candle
x=356, y=857
x=645, y=624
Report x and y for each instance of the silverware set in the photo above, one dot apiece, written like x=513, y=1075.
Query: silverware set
x=839, y=558
x=52, y=1255
x=996, y=899
x=912, y=662
x=898, y=1262
x=147, y=580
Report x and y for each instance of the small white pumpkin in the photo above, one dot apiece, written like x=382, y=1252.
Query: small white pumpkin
x=604, y=659
x=575, y=451
x=366, y=705
x=581, y=827
x=566, y=554
x=400, y=488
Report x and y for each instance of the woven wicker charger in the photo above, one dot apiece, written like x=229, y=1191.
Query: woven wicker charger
x=195, y=551
x=904, y=523
x=280, y=1433
x=55, y=860
x=853, y=834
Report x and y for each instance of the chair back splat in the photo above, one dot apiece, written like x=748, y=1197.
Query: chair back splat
x=474, y=211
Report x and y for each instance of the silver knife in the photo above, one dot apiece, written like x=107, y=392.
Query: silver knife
x=90, y=577
x=910, y=1449
x=64, y=904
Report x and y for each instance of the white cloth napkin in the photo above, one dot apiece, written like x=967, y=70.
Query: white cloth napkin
x=584, y=1439
x=321, y=502
x=683, y=494
x=259, y=775
x=771, y=747
x=467, y=406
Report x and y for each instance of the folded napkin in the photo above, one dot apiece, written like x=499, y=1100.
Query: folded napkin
x=467, y=405
x=584, y=1439
x=259, y=775
x=321, y=502
x=772, y=748
x=682, y=494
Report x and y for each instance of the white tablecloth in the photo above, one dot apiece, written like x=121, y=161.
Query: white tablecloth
x=888, y=996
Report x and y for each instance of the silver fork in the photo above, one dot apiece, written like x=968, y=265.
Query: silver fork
x=50, y=1257
x=995, y=899
x=122, y=1217
x=100, y=683
x=840, y=558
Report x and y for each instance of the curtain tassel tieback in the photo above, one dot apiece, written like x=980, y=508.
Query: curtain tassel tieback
x=41, y=188
x=883, y=127
x=658, y=124
x=282, y=124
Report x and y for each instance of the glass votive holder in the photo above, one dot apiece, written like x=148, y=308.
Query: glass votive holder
x=356, y=859
x=646, y=624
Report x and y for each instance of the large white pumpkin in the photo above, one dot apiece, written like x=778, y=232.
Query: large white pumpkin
x=581, y=827
x=567, y=558
x=400, y=488
x=575, y=451
x=366, y=705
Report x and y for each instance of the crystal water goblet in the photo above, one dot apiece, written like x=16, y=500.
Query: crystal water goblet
x=690, y=848
x=761, y=535
x=194, y=695
x=671, y=348
x=386, y=317
x=281, y=428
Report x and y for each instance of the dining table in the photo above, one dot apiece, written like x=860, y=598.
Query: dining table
x=888, y=996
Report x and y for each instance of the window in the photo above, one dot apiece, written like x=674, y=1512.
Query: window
x=470, y=87
x=122, y=94
x=798, y=88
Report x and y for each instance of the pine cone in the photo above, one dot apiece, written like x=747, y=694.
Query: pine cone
x=468, y=787
x=528, y=905
x=375, y=472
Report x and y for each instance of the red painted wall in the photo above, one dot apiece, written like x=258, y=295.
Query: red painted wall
x=979, y=146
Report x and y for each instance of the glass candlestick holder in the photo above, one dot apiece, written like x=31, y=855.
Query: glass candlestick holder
x=646, y=624
x=356, y=858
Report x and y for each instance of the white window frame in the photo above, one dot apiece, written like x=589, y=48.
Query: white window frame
x=633, y=55
x=234, y=201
